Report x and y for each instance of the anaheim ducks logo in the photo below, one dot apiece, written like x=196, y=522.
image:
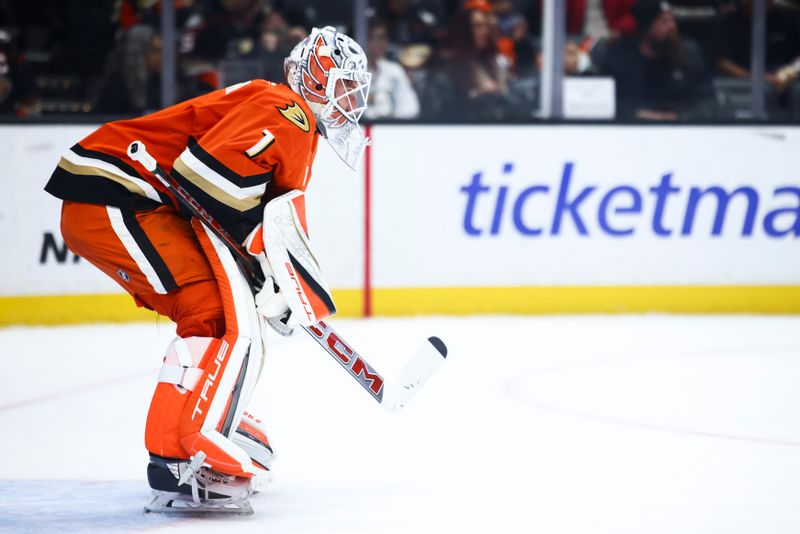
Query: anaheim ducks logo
x=295, y=115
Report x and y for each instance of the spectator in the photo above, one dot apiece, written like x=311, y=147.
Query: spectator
x=407, y=23
x=473, y=76
x=513, y=39
x=620, y=20
x=783, y=44
x=17, y=91
x=577, y=61
x=659, y=75
x=391, y=94
x=276, y=42
x=510, y=23
x=229, y=29
x=134, y=84
x=6, y=85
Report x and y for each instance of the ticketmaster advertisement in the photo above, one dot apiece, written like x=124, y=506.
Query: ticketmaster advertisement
x=579, y=205
x=490, y=207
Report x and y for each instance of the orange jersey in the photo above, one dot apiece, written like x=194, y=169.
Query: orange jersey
x=233, y=150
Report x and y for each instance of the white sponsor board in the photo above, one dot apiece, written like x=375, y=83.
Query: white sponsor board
x=584, y=205
x=36, y=262
x=492, y=206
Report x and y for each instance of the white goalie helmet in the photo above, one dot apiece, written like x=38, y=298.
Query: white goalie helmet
x=329, y=70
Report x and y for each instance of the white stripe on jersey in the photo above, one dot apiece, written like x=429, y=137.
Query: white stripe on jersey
x=115, y=216
x=210, y=175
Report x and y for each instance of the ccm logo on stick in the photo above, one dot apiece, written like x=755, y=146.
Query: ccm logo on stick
x=354, y=363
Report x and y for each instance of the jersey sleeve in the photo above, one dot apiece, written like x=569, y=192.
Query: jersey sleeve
x=251, y=155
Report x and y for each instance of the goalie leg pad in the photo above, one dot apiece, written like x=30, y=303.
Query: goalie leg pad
x=207, y=382
x=215, y=409
x=192, y=401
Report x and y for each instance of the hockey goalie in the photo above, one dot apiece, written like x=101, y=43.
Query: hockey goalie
x=245, y=154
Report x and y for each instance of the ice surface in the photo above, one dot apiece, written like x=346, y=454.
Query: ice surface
x=630, y=424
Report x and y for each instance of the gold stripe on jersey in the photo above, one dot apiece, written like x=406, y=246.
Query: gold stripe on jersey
x=208, y=187
x=87, y=170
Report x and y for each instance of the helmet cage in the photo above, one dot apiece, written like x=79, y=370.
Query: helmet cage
x=345, y=99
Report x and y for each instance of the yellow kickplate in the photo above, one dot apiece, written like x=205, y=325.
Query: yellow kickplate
x=115, y=308
x=587, y=299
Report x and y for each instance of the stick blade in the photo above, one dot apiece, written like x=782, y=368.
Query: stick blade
x=439, y=345
x=418, y=370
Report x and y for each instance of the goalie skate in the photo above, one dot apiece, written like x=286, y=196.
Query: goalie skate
x=187, y=486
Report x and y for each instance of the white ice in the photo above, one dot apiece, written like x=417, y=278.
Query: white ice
x=625, y=424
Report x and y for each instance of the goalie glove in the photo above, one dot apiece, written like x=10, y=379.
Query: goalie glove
x=270, y=303
x=294, y=291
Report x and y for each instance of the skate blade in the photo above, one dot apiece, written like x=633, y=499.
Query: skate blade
x=180, y=504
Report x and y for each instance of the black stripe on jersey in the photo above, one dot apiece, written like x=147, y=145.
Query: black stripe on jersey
x=214, y=164
x=95, y=190
x=238, y=223
x=313, y=285
x=149, y=250
x=120, y=164
x=112, y=160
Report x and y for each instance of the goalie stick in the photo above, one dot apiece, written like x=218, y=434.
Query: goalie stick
x=392, y=395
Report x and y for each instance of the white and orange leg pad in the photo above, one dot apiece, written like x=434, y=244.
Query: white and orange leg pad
x=198, y=407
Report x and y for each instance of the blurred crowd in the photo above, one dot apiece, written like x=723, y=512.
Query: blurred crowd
x=440, y=60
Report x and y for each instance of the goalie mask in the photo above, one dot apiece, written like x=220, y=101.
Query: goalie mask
x=329, y=70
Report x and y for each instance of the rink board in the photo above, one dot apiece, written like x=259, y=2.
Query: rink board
x=485, y=219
